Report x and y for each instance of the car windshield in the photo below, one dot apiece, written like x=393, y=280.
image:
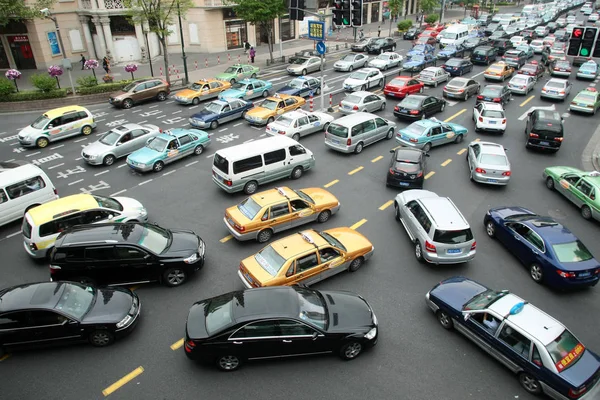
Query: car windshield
x=304, y=196
x=40, y=122
x=269, y=104
x=453, y=62
x=353, y=99
x=494, y=159
x=555, y=84
x=586, y=97
x=312, y=308
x=360, y=76
x=571, y=252
x=449, y=35
x=415, y=129
x=155, y=239
x=285, y=120
x=348, y=57
x=230, y=70
x=213, y=107
x=157, y=144
x=337, y=130
x=588, y=67
x=563, y=64
x=398, y=82
x=249, y=208
x=218, y=313
x=565, y=350
x=196, y=86
x=492, y=114
x=299, y=61
x=490, y=92
x=523, y=48
x=332, y=241
x=417, y=58
x=518, y=81
x=239, y=86
x=108, y=202
x=484, y=300
x=110, y=138
x=270, y=260
x=296, y=83
x=75, y=300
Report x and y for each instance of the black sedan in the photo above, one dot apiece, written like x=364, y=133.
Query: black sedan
x=218, y=112
x=381, y=46
x=457, y=66
x=418, y=106
x=502, y=46
x=494, y=94
x=473, y=42
x=407, y=168
x=275, y=322
x=412, y=33
x=37, y=314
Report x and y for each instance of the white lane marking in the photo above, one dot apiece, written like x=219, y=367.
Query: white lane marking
x=118, y=193
x=12, y=234
x=263, y=135
x=153, y=106
x=33, y=154
x=118, y=115
x=210, y=155
x=476, y=75
x=77, y=159
x=277, y=79
x=142, y=122
x=169, y=102
x=101, y=173
x=169, y=173
x=122, y=165
x=56, y=166
x=100, y=120
x=192, y=163
x=238, y=124
x=176, y=112
x=160, y=116
x=566, y=115
x=222, y=130
x=72, y=183
x=14, y=144
x=191, y=108
x=143, y=183
x=451, y=103
x=11, y=160
x=256, y=127
x=249, y=140
x=79, y=140
x=57, y=147
x=592, y=84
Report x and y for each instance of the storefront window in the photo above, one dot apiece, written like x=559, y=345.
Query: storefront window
x=375, y=12
x=236, y=34
x=365, y=13
x=287, y=28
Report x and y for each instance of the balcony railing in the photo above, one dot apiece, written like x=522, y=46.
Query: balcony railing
x=217, y=3
x=86, y=4
x=113, y=4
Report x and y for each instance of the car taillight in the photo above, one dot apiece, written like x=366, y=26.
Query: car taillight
x=534, y=135
x=55, y=191
x=355, y=108
x=228, y=183
x=497, y=99
x=160, y=130
x=348, y=142
x=54, y=269
x=597, y=271
x=392, y=172
x=189, y=346
x=565, y=274
x=556, y=68
x=503, y=121
x=480, y=170
x=413, y=140
x=420, y=174
x=414, y=112
x=429, y=247
x=444, y=66
x=507, y=173
x=577, y=393
x=474, y=246
x=281, y=132
x=479, y=97
x=340, y=104
x=480, y=119
x=563, y=92
x=558, y=139
x=396, y=108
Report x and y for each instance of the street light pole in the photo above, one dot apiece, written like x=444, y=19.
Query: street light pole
x=149, y=55
x=185, y=69
x=66, y=62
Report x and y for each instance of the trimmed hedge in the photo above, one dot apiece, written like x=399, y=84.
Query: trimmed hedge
x=102, y=88
x=34, y=95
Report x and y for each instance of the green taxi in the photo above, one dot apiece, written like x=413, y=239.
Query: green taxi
x=580, y=187
x=237, y=72
x=586, y=101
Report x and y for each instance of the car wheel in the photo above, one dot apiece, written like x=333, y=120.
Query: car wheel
x=550, y=183
x=586, y=212
x=195, y=101
x=228, y=363
x=214, y=124
x=271, y=119
x=253, y=76
x=304, y=71
x=393, y=48
x=356, y=264
x=380, y=83
x=359, y=148
x=536, y=273
x=174, y=277
x=363, y=88
x=351, y=350
x=42, y=142
x=109, y=160
x=423, y=116
x=297, y=172
x=419, y=251
x=466, y=96
x=198, y=150
x=427, y=147
x=435, y=84
x=127, y=103
x=318, y=91
x=162, y=96
x=264, y=236
x=421, y=89
x=250, y=187
x=265, y=93
x=325, y=127
x=385, y=67
x=490, y=229
x=351, y=68
x=529, y=383
x=459, y=139
x=86, y=130
x=382, y=106
x=101, y=338
x=444, y=320
x=397, y=212
x=443, y=106
x=390, y=134
x=296, y=137
x=158, y=166
x=232, y=81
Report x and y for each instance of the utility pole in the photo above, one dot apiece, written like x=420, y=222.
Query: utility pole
x=148, y=50
x=442, y=11
x=183, y=55
x=66, y=62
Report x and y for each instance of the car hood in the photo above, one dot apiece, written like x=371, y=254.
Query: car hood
x=97, y=148
x=187, y=93
x=225, y=77
x=352, y=240
x=578, y=373
x=117, y=94
x=289, y=90
x=377, y=61
x=411, y=63
x=354, y=82
x=347, y=312
x=505, y=212
x=183, y=244
x=29, y=130
x=297, y=67
x=456, y=291
x=321, y=196
x=204, y=115
x=111, y=306
x=144, y=155
x=261, y=112
x=232, y=93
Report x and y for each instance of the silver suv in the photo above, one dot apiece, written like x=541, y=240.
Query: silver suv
x=439, y=231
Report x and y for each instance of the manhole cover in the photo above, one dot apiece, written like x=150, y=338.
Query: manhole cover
x=557, y=214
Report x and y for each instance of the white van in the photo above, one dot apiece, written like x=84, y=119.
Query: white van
x=22, y=187
x=247, y=165
x=455, y=34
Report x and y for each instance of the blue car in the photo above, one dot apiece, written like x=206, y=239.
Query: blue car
x=168, y=147
x=419, y=62
x=421, y=49
x=457, y=66
x=542, y=352
x=451, y=51
x=247, y=89
x=426, y=133
x=302, y=86
x=551, y=253
x=219, y=111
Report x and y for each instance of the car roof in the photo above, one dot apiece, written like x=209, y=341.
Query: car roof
x=278, y=301
x=530, y=319
x=250, y=80
x=65, y=205
x=426, y=123
x=551, y=231
x=274, y=195
x=491, y=148
x=359, y=93
x=367, y=69
x=56, y=112
x=174, y=132
x=592, y=177
x=492, y=106
x=561, y=81
x=255, y=147
x=450, y=218
x=107, y=233
x=41, y=295
x=297, y=114
x=300, y=242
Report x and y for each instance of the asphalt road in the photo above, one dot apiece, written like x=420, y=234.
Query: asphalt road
x=414, y=359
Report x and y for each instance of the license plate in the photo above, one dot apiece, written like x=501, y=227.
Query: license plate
x=552, y=92
x=581, y=105
x=492, y=180
x=563, y=70
x=230, y=221
x=545, y=143
x=487, y=99
x=347, y=107
x=335, y=141
x=250, y=280
x=403, y=183
x=453, y=251
x=584, y=274
x=404, y=110
x=492, y=122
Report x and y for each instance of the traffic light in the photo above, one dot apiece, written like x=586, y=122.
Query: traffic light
x=301, y=8
x=346, y=12
x=356, y=7
x=596, y=52
x=575, y=41
x=587, y=44
x=296, y=9
x=338, y=13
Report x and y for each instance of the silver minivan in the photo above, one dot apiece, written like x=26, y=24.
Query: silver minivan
x=353, y=132
x=438, y=230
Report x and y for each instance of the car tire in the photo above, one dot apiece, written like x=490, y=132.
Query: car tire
x=264, y=236
x=195, y=101
x=158, y=166
x=444, y=319
x=317, y=91
x=351, y=68
x=198, y=150
x=101, y=338
x=586, y=212
x=42, y=142
x=443, y=107
x=297, y=173
x=397, y=212
x=359, y=148
x=382, y=106
x=550, y=183
x=109, y=160
x=304, y=72
x=351, y=350
x=250, y=187
x=530, y=384
x=162, y=96
x=390, y=134
x=490, y=229
x=421, y=89
x=127, y=103
x=459, y=139
x=228, y=363
x=296, y=136
x=232, y=81
x=419, y=252
x=174, y=276
x=435, y=84
x=86, y=130
x=363, y=88
x=265, y=94
x=271, y=119
x=325, y=127
x=536, y=273
x=253, y=76
x=214, y=125
x=393, y=48
x=380, y=83
x=427, y=147
x=324, y=216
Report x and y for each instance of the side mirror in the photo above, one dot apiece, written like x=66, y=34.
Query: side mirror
x=392, y=151
x=50, y=126
x=118, y=144
x=147, y=257
x=149, y=140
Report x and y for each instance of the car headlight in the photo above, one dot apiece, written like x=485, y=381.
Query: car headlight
x=371, y=334
x=126, y=321
x=191, y=259
x=143, y=211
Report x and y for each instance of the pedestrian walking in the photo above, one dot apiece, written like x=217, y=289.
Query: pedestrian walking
x=106, y=64
x=252, y=54
x=246, y=47
x=379, y=31
x=82, y=61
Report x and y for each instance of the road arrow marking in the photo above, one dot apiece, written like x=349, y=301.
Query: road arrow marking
x=526, y=113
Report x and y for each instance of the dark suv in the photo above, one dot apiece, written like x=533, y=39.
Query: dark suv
x=502, y=45
x=484, y=55
x=544, y=130
x=140, y=91
x=126, y=253
x=382, y=45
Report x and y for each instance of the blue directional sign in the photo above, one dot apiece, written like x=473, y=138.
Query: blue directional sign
x=316, y=30
x=321, y=49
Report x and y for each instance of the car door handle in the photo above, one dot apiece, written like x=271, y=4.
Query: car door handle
x=287, y=341
x=238, y=342
x=517, y=238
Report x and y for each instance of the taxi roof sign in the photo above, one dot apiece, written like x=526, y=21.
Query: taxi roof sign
x=517, y=308
x=307, y=238
x=282, y=192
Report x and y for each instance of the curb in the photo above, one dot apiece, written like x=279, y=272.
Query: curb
x=590, y=157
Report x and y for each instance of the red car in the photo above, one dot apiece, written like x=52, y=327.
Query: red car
x=401, y=86
x=429, y=32
x=425, y=40
x=438, y=28
x=532, y=69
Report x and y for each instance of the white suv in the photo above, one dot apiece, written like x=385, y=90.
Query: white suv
x=489, y=117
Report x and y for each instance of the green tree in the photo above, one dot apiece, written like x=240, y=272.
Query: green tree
x=427, y=6
x=158, y=14
x=17, y=10
x=395, y=7
x=260, y=13
x=431, y=18
x=404, y=25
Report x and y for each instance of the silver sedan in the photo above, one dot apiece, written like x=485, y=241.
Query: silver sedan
x=350, y=62
x=304, y=65
x=386, y=60
x=362, y=101
x=461, y=88
x=488, y=163
x=558, y=89
x=521, y=84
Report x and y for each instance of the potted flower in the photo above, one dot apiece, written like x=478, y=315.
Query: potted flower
x=131, y=68
x=55, y=71
x=13, y=75
x=108, y=78
x=91, y=64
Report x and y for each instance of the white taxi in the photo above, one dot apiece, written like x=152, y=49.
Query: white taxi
x=299, y=123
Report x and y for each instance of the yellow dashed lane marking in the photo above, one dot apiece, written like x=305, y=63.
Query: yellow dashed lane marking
x=226, y=238
x=430, y=174
x=177, y=344
x=477, y=140
x=462, y=151
x=455, y=115
x=526, y=101
x=448, y=161
x=377, y=159
x=355, y=170
x=358, y=224
x=124, y=380
x=386, y=205
x=330, y=184
x=4, y=357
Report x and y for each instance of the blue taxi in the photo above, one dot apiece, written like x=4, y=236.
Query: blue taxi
x=247, y=89
x=419, y=62
x=219, y=111
x=426, y=133
x=167, y=147
x=451, y=51
x=302, y=86
x=421, y=49
x=542, y=352
x=588, y=70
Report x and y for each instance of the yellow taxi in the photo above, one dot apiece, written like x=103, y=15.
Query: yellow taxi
x=276, y=210
x=273, y=106
x=203, y=89
x=306, y=257
x=498, y=72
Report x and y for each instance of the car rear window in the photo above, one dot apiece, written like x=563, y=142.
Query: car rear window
x=565, y=350
x=249, y=208
x=26, y=228
x=492, y=114
x=452, y=237
x=398, y=82
x=409, y=102
x=453, y=62
x=551, y=128
x=337, y=130
x=353, y=99
x=571, y=252
x=493, y=159
x=270, y=260
x=221, y=163
x=218, y=313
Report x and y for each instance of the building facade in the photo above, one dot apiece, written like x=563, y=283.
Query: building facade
x=98, y=28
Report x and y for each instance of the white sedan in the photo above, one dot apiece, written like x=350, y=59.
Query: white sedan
x=364, y=79
x=433, y=76
x=386, y=60
x=296, y=124
x=521, y=84
x=489, y=117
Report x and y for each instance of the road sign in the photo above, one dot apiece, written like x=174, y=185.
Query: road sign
x=316, y=30
x=321, y=49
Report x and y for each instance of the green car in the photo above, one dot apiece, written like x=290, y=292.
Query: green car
x=578, y=186
x=586, y=101
x=237, y=72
